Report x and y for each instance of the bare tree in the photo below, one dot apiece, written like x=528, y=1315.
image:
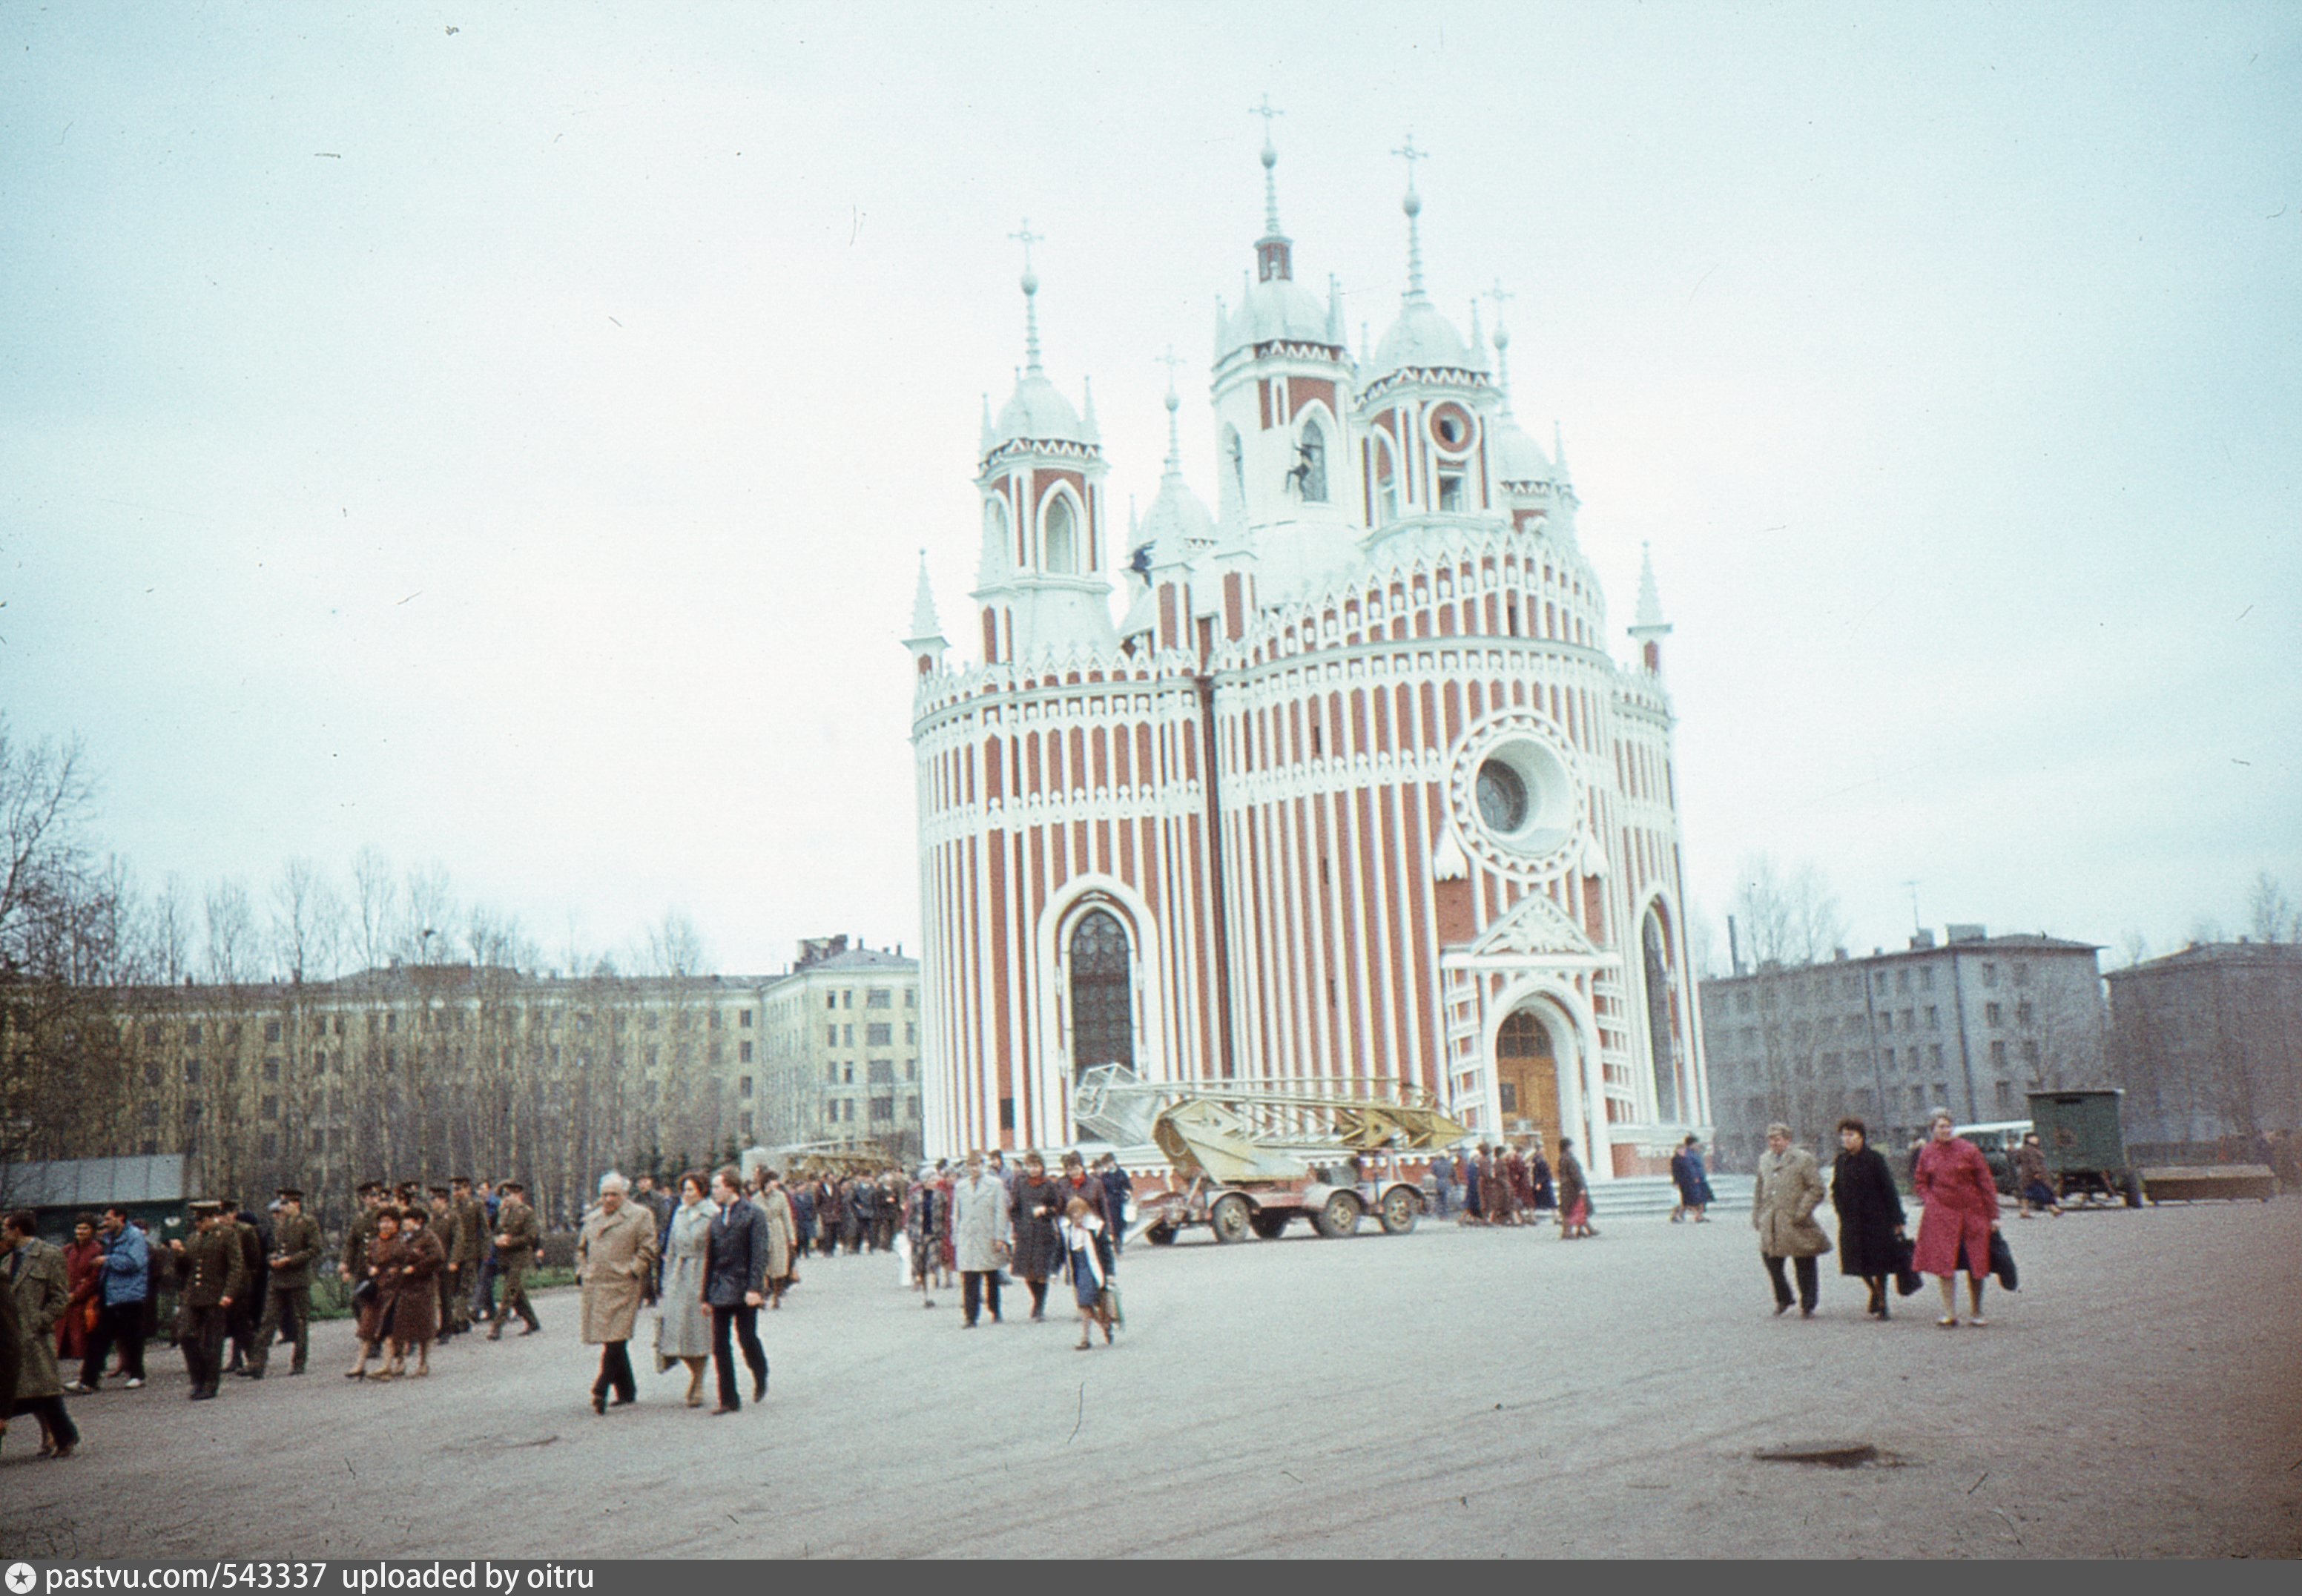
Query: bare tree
x=231, y=945
x=2133, y=948
x=306, y=922
x=2270, y=914
x=376, y=913
x=428, y=908
x=168, y=932
x=1789, y=917
x=675, y=948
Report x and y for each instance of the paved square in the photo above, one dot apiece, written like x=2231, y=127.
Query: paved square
x=1454, y=1391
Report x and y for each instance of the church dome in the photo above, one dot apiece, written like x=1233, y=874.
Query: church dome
x=1176, y=518
x=1277, y=309
x=1421, y=337
x=1518, y=459
x=1040, y=413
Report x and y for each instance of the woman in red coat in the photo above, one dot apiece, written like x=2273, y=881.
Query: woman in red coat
x=1961, y=1212
x=84, y=1278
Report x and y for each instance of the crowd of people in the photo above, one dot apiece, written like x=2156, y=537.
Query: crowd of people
x=1507, y=1184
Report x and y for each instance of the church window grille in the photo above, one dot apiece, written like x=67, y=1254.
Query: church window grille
x=1103, y=1025
x=1311, y=463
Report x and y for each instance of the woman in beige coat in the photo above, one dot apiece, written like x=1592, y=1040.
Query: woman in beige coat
x=615, y=1266
x=782, y=1237
x=1782, y=1211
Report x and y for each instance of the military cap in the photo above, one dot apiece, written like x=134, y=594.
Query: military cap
x=439, y=1191
x=461, y=1180
x=513, y=1185
x=289, y=1194
x=368, y=1186
x=205, y=1208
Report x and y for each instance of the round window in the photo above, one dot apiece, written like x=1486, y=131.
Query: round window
x=1502, y=796
x=1450, y=428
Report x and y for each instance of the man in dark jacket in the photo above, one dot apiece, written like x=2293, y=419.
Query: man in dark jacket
x=214, y=1278
x=127, y=1284
x=287, y=1284
x=250, y=1305
x=1117, y=1186
x=518, y=1237
x=735, y=1278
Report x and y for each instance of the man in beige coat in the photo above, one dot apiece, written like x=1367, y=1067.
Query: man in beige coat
x=1782, y=1211
x=614, y=1264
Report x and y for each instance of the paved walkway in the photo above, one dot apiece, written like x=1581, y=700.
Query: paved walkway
x=1452, y=1392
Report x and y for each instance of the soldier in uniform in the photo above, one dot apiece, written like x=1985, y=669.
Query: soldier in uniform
x=518, y=1237
x=287, y=1284
x=440, y=1224
x=466, y=1236
x=353, y=1267
x=249, y=1306
x=215, y=1274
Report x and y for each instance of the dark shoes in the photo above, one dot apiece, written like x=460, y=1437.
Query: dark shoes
x=726, y=1408
x=598, y=1402
x=759, y=1388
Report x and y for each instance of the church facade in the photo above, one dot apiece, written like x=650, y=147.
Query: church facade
x=1338, y=779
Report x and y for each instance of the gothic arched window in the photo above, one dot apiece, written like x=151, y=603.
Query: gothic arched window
x=1102, y=1007
x=1235, y=466
x=1311, y=462
x=1386, y=485
x=995, y=535
x=1059, y=536
x=1662, y=1025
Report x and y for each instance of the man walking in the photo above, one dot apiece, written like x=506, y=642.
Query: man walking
x=464, y=1235
x=245, y=1311
x=614, y=1267
x=214, y=1278
x=982, y=1218
x=735, y=1275
x=127, y=1274
x=287, y=1284
x=1117, y=1188
x=34, y=1276
x=517, y=1236
x=353, y=1264
x=1782, y=1211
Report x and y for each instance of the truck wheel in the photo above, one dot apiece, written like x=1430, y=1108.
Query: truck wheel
x=1160, y=1235
x=2133, y=1189
x=1269, y=1224
x=1232, y=1218
x=1337, y=1216
x=1400, y=1210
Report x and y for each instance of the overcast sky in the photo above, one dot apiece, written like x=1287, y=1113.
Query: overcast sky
x=504, y=435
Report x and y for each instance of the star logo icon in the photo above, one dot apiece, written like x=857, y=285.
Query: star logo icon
x=22, y=1579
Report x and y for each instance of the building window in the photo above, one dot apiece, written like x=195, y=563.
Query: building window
x=1989, y=973
x=744, y=1123
x=1007, y=1114
x=151, y=1114
x=271, y=1108
x=744, y=1087
x=271, y=1144
x=882, y=1071
x=880, y=997
x=1450, y=489
x=831, y=1036
x=831, y=1000
x=878, y=1036
x=1998, y=1055
x=2023, y=1014
x=911, y=1034
x=910, y=998
x=1934, y=1019
x=2021, y=972
x=270, y=1069
x=1991, y=1014
x=1933, y=1055
x=271, y=1030
x=883, y=1109
x=833, y=1070
x=847, y=1073
x=2030, y=1056
x=151, y=1036
x=743, y=1018
x=1310, y=472
x=910, y=1068
x=848, y=1038
x=1059, y=536
x=2006, y=1097
x=743, y=1053
x=847, y=997
x=1103, y=1014
x=151, y=1072
x=191, y=1071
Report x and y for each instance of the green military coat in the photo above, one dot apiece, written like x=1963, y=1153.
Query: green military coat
x=213, y=1268
x=295, y=1244
x=518, y=1235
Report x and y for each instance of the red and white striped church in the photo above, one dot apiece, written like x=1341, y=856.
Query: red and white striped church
x=1339, y=779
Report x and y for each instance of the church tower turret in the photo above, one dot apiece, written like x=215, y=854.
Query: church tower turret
x=1040, y=585
x=1281, y=389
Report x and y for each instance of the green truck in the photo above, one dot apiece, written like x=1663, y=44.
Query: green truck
x=2085, y=1148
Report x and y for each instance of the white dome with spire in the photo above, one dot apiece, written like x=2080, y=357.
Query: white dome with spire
x=1421, y=336
x=1276, y=309
x=1039, y=412
x=1518, y=458
x=1178, y=524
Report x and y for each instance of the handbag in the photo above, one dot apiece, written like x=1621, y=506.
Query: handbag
x=2002, y=1262
x=1907, y=1280
x=1109, y=1302
x=364, y=1293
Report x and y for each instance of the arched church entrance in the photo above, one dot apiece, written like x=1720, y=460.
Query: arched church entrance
x=1103, y=996
x=1662, y=1016
x=1526, y=1077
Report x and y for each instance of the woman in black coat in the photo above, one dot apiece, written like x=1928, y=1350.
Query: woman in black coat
x=1039, y=1203
x=1869, y=1212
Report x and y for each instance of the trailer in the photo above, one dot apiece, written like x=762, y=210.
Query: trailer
x=1250, y=1157
x=2085, y=1147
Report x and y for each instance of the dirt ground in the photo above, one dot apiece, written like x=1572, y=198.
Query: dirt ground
x=1449, y=1393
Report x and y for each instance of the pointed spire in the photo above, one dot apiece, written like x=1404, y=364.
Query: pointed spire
x=990, y=437
x=1171, y=360
x=1478, y=337
x=1027, y=238
x=1501, y=295
x=1334, y=309
x=924, y=624
x=1266, y=110
x=1087, y=420
x=1221, y=318
x=1413, y=205
x=1558, y=452
x=1650, y=613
